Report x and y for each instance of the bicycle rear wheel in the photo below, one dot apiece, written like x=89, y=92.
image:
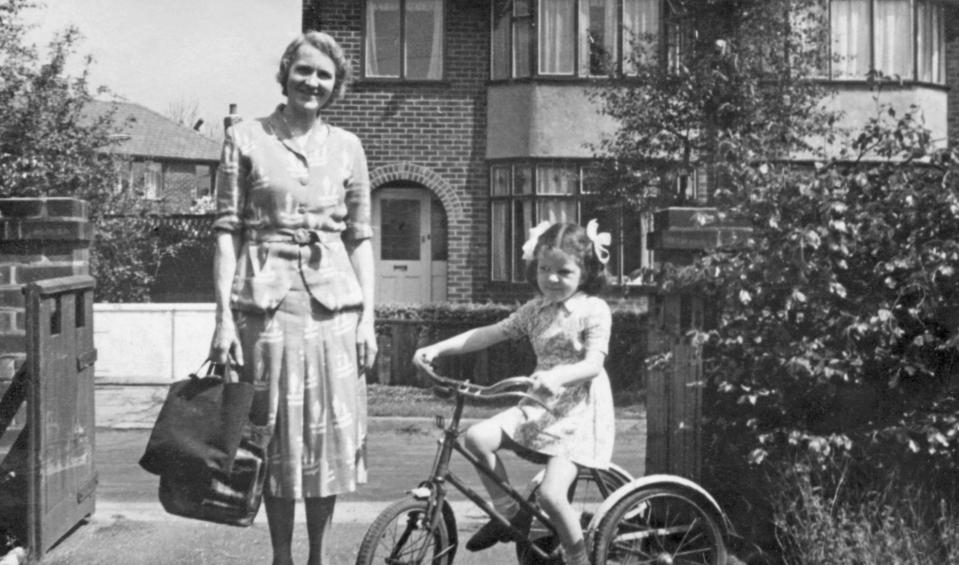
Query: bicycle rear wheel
x=588, y=491
x=659, y=525
x=402, y=535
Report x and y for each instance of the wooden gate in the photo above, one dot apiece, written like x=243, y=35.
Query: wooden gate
x=674, y=389
x=54, y=453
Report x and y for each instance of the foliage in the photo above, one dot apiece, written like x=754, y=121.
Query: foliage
x=729, y=82
x=838, y=517
x=835, y=330
x=50, y=145
x=836, y=325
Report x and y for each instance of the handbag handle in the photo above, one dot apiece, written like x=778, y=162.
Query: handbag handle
x=221, y=370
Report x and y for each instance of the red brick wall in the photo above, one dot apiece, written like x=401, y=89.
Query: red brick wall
x=40, y=238
x=439, y=127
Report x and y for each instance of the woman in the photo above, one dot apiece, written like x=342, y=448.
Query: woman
x=293, y=269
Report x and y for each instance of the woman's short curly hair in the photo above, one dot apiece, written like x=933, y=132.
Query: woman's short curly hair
x=329, y=47
x=572, y=240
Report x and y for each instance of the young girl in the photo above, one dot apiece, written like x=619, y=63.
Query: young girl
x=569, y=328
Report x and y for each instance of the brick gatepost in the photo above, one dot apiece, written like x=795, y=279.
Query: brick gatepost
x=40, y=238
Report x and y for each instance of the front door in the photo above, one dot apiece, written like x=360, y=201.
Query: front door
x=402, y=245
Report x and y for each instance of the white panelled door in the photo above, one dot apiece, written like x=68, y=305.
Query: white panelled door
x=402, y=245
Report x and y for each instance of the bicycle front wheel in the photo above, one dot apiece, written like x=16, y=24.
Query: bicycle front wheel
x=403, y=535
x=659, y=525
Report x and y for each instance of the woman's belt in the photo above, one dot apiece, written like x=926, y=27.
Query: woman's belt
x=298, y=236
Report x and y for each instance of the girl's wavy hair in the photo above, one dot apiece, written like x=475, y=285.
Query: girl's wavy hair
x=572, y=240
x=325, y=44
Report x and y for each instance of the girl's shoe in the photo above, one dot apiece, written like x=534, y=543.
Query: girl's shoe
x=494, y=532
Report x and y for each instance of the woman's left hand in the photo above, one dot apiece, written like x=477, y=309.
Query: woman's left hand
x=365, y=345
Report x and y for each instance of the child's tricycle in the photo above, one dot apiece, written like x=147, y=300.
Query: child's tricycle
x=659, y=519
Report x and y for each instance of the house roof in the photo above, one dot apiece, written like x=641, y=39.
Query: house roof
x=145, y=133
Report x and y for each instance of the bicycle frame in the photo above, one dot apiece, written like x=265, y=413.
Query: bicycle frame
x=441, y=474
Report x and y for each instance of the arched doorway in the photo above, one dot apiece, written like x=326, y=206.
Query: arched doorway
x=409, y=244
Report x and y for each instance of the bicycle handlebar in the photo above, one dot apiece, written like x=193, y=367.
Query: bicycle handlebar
x=504, y=389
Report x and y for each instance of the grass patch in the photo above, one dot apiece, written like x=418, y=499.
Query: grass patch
x=407, y=401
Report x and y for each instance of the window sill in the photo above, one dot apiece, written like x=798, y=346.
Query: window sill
x=379, y=82
x=883, y=84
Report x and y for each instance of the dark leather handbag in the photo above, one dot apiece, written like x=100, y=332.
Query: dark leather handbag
x=200, y=424
x=224, y=498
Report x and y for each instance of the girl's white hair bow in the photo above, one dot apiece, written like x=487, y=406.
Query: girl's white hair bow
x=600, y=240
x=529, y=248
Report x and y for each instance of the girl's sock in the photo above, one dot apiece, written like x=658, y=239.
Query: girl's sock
x=506, y=506
x=576, y=555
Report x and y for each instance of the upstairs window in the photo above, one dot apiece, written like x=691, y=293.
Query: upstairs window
x=404, y=39
x=558, y=38
x=899, y=38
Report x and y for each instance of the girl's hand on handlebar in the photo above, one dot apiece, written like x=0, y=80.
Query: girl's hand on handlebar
x=544, y=381
x=424, y=357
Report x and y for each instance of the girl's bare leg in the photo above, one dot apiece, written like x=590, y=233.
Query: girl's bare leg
x=483, y=440
x=552, y=495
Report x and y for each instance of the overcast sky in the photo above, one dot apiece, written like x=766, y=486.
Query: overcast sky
x=160, y=53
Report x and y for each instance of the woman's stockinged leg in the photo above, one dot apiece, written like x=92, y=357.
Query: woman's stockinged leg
x=279, y=516
x=552, y=495
x=319, y=517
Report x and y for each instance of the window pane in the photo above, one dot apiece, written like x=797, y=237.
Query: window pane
x=424, y=39
x=556, y=180
x=554, y=211
x=893, y=37
x=931, y=45
x=500, y=181
x=499, y=249
x=598, y=37
x=640, y=28
x=400, y=230
x=383, y=38
x=850, y=38
x=523, y=180
x=557, y=36
x=522, y=221
x=811, y=27
x=500, y=40
x=522, y=38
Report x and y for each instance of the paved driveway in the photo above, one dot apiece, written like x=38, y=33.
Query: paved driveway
x=130, y=527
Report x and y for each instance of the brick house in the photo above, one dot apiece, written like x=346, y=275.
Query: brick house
x=476, y=123
x=169, y=164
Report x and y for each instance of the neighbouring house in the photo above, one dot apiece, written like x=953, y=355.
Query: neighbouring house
x=171, y=165
x=475, y=119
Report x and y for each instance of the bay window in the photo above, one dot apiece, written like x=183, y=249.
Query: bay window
x=570, y=37
x=899, y=38
x=404, y=39
x=524, y=194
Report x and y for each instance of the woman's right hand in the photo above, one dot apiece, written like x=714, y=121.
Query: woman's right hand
x=225, y=343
